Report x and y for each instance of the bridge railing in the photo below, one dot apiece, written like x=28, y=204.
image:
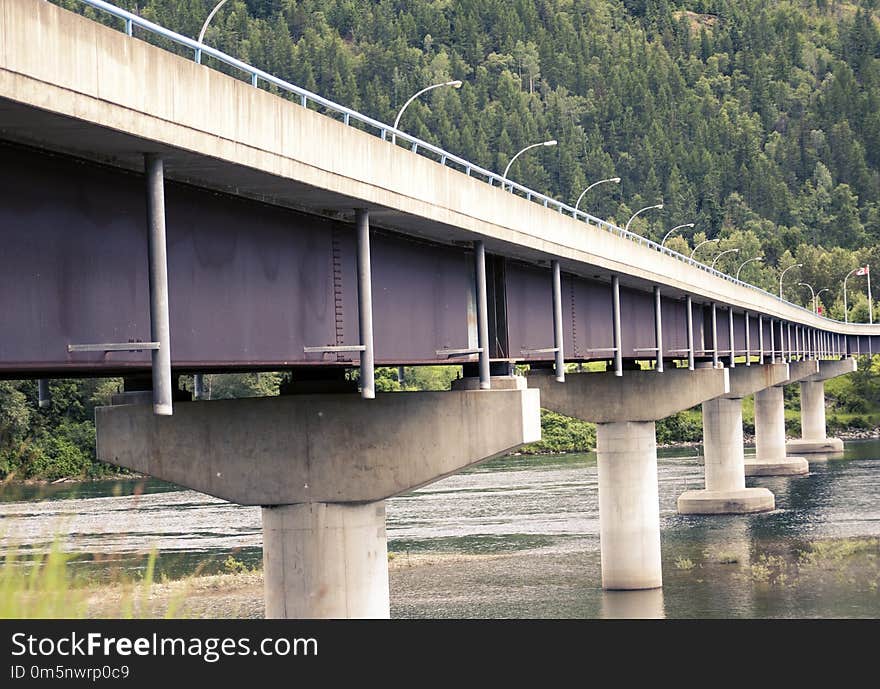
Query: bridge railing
x=416, y=145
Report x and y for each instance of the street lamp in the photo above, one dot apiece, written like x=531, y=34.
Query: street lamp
x=456, y=84
x=729, y=251
x=812, y=294
x=701, y=244
x=690, y=224
x=819, y=294
x=867, y=272
x=205, y=28
x=551, y=142
x=756, y=258
x=641, y=210
x=845, y=309
x=796, y=265
x=616, y=180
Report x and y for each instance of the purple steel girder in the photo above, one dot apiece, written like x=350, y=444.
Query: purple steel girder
x=251, y=285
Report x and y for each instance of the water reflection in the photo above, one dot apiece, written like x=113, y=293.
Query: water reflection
x=632, y=605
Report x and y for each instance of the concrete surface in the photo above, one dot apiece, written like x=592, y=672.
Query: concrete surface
x=325, y=561
x=317, y=448
x=831, y=369
x=497, y=383
x=742, y=501
x=629, y=507
x=813, y=438
x=725, y=491
x=770, y=458
x=825, y=446
x=635, y=396
x=747, y=380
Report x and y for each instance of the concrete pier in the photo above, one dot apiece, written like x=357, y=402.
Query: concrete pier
x=813, y=438
x=625, y=409
x=325, y=560
x=321, y=466
x=770, y=452
x=770, y=458
x=724, y=460
x=629, y=515
x=725, y=491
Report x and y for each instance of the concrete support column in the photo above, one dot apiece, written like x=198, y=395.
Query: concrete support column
x=325, y=560
x=813, y=438
x=722, y=436
x=770, y=459
x=629, y=507
x=813, y=410
x=725, y=491
x=625, y=410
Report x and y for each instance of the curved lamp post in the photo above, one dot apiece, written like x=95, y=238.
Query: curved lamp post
x=641, y=210
x=551, y=142
x=201, y=37
x=701, y=244
x=812, y=293
x=456, y=84
x=756, y=258
x=819, y=294
x=845, y=309
x=796, y=265
x=677, y=227
x=616, y=180
x=729, y=251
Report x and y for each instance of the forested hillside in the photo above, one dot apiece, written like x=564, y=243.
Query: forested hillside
x=758, y=121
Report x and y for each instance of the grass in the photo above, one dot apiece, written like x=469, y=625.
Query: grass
x=43, y=586
x=684, y=563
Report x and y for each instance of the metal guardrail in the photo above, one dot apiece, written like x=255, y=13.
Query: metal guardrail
x=416, y=145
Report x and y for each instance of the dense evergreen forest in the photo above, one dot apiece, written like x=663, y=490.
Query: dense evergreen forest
x=757, y=121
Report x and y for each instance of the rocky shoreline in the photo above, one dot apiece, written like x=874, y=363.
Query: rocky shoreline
x=748, y=439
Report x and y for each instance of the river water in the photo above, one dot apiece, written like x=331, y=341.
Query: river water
x=516, y=537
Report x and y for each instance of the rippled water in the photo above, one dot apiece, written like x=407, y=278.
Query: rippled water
x=534, y=518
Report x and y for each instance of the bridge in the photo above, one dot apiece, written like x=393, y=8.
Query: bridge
x=164, y=215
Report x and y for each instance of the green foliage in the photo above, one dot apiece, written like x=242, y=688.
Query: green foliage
x=562, y=434
x=236, y=385
x=232, y=565
x=429, y=377
x=56, y=442
x=686, y=426
x=685, y=564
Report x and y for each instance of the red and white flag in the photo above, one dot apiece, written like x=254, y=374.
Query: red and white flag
x=863, y=271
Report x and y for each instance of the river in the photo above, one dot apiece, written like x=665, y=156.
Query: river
x=515, y=537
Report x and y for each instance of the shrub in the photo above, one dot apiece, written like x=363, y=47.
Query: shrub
x=562, y=434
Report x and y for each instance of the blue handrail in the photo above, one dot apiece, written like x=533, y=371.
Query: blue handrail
x=416, y=145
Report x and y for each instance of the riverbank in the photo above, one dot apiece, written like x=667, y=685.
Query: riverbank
x=748, y=439
x=234, y=595
x=815, y=565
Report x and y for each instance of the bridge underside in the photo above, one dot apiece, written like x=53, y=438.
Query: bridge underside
x=252, y=284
